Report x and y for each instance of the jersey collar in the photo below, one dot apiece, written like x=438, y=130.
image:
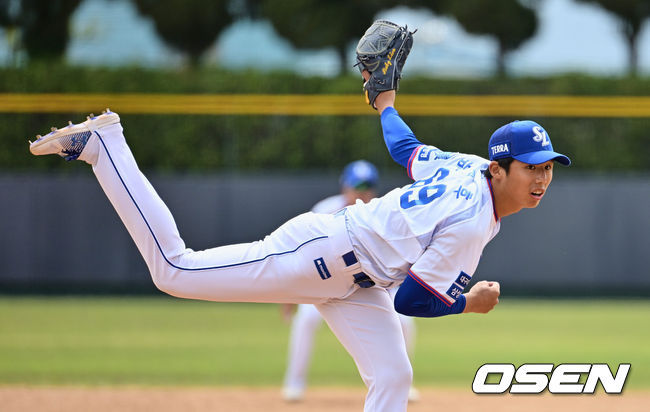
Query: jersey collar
x=494, y=206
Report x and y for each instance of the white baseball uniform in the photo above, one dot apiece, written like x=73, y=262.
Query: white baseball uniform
x=307, y=320
x=433, y=230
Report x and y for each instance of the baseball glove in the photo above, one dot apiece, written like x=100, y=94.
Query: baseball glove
x=382, y=51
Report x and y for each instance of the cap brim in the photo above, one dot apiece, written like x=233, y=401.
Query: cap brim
x=543, y=156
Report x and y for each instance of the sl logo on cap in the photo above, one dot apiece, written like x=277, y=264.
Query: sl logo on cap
x=540, y=136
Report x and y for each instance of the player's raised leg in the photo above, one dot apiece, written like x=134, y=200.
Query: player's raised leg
x=281, y=268
x=369, y=329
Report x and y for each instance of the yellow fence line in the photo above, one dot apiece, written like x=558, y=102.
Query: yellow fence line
x=297, y=105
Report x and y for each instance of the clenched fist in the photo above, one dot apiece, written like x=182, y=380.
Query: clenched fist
x=483, y=297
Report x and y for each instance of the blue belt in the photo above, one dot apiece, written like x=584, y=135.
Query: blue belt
x=360, y=278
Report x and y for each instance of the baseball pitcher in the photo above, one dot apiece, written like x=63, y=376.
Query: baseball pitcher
x=427, y=236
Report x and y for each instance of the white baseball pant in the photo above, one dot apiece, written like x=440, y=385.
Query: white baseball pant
x=300, y=262
x=304, y=325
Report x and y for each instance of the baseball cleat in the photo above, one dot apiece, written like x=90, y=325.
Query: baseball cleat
x=70, y=141
x=414, y=395
x=292, y=394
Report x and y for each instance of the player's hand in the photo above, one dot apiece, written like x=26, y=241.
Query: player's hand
x=483, y=297
x=384, y=99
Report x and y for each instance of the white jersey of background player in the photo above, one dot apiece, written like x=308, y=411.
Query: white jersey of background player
x=358, y=181
x=427, y=236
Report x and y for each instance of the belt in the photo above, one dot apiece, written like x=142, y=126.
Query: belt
x=360, y=278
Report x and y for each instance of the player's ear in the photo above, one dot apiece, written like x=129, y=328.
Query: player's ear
x=496, y=170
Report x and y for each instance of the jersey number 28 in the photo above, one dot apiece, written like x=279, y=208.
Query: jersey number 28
x=423, y=192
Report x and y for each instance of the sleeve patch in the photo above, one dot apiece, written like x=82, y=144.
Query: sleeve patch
x=455, y=291
x=425, y=153
x=463, y=279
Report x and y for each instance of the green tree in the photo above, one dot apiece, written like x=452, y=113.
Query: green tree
x=189, y=26
x=9, y=22
x=631, y=15
x=42, y=26
x=5, y=13
x=322, y=23
x=508, y=21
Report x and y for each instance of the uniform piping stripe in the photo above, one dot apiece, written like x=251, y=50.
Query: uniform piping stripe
x=410, y=162
x=158, y=244
x=429, y=288
x=494, y=206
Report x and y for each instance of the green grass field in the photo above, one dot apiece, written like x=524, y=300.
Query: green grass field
x=167, y=341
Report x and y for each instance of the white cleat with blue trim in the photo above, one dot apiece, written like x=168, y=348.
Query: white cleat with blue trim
x=70, y=141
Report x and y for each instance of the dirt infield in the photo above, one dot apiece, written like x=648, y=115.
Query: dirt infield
x=132, y=399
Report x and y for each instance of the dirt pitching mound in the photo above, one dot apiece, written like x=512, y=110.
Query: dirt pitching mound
x=138, y=399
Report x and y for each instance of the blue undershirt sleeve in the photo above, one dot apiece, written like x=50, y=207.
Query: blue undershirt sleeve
x=399, y=138
x=412, y=299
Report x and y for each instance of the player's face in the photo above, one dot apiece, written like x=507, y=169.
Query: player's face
x=528, y=183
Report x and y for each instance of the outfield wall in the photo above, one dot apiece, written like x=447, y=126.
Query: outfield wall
x=590, y=235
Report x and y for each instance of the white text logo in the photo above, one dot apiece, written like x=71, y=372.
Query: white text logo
x=565, y=378
x=500, y=148
x=540, y=136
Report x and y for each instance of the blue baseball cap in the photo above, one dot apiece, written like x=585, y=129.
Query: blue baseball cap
x=360, y=175
x=525, y=141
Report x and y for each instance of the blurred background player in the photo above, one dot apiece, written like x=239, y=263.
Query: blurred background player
x=358, y=182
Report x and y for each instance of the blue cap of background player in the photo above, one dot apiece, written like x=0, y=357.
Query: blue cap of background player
x=525, y=141
x=360, y=175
